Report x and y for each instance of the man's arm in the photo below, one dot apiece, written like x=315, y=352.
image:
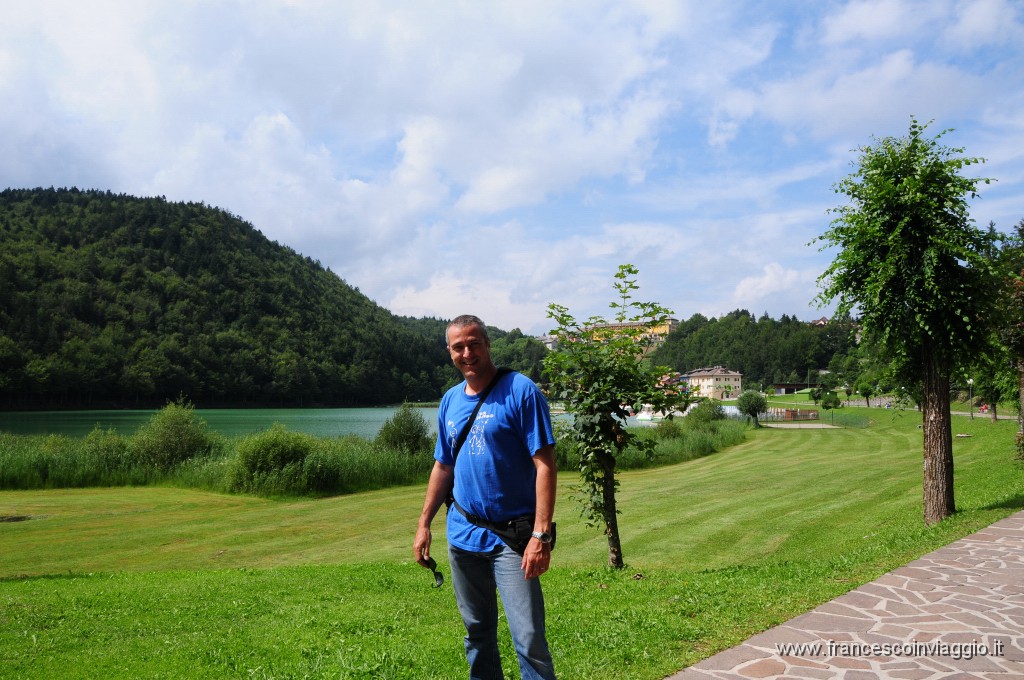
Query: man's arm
x=537, y=557
x=440, y=485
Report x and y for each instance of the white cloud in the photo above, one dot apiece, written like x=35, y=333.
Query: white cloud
x=985, y=22
x=446, y=157
x=879, y=97
x=448, y=295
x=873, y=20
x=774, y=281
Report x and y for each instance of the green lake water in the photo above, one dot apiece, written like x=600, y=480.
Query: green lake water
x=321, y=422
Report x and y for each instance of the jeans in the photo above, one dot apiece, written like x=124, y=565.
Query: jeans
x=475, y=577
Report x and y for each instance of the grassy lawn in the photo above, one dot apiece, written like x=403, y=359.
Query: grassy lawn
x=163, y=582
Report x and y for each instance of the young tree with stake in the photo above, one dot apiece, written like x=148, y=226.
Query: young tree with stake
x=600, y=374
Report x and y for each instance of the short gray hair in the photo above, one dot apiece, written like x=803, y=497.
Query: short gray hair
x=462, y=322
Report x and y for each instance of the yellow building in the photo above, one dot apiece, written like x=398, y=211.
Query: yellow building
x=658, y=334
x=716, y=382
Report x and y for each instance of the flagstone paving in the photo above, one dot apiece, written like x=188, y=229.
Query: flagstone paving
x=955, y=613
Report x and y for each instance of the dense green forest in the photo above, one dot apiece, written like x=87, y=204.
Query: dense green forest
x=766, y=351
x=111, y=299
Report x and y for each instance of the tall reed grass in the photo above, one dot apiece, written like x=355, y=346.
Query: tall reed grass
x=282, y=463
x=176, y=448
x=676, y=441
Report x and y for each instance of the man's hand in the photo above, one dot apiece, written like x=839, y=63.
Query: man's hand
x=440, y=483
x=421, y=546
x=536, y=558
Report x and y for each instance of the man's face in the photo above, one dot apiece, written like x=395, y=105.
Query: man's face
x=470, y=351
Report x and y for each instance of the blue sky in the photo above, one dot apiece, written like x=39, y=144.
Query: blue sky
x=493, y=157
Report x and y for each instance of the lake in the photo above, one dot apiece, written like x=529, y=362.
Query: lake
x=321, y=422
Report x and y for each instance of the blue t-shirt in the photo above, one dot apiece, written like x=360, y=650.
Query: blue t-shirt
x=495, y=477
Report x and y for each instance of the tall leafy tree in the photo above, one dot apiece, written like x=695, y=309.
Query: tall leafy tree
x=914, y=265
x=599, y=372
x=1011, y=300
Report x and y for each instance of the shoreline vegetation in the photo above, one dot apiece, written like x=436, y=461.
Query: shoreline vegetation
x=176, y=448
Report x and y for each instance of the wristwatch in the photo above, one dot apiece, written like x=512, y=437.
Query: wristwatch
x=542, y=536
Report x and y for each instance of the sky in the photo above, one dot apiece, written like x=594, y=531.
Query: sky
x=452, y=157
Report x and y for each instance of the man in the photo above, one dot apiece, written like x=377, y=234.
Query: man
x=506, y=469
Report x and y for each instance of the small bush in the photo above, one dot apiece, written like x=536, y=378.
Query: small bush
x=324, y=471
x=210, y=473
x=1019, y=440
x=407, y=430
x=106, y=451
x=707, y=411
x=668, y=429
x=831, y=401
x=271, y=462
x=282, y=463
x=173, y=435
x=697, y=439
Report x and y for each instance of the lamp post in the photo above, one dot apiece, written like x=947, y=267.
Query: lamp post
x=970, y=398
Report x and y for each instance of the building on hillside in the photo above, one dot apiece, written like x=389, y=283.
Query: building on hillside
x=657, y=334
x=549, y=341
x=716, y=382
x=823, y=321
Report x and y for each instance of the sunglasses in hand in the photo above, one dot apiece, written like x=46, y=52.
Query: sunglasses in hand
x=438, y=576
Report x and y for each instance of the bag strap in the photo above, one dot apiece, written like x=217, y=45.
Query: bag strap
x=508, y=531
x=464, y=434
x=488, y=524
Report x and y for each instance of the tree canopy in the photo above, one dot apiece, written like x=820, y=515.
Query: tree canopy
x=752, y=403
x=920, y=274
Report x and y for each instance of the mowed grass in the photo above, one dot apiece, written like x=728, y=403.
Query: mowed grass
x=165, y=582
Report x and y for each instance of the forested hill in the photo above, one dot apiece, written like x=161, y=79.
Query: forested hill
x=765, y=350
x=113, y=300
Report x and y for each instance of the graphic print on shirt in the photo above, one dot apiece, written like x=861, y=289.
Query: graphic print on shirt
x=475, y=442
x=453, y=434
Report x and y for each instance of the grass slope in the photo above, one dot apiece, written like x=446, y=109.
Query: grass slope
x=168, y=582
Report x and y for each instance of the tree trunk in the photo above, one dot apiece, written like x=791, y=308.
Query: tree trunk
x=993, y=409
x=938, y=444
x=611, y=517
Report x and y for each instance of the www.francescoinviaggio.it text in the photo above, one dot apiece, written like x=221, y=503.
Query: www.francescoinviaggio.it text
x=834, y=648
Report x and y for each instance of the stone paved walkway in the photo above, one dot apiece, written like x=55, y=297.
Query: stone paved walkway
x=955, y=613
